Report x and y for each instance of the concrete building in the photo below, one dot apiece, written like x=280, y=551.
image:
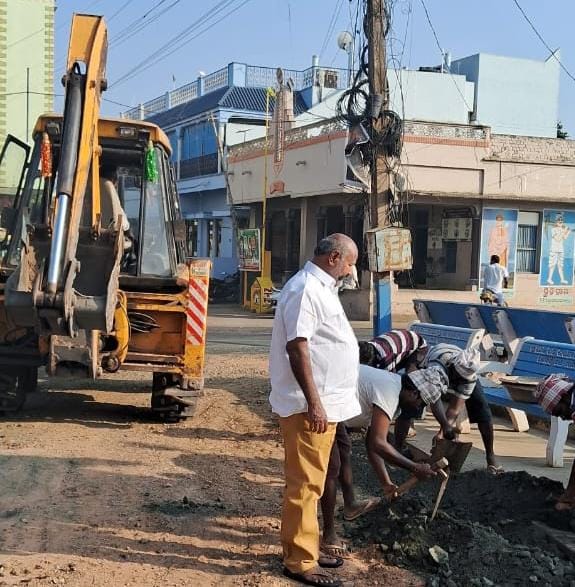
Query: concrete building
x=513, y=96
x=26, y=69
x=450, y=179
x=230, y=104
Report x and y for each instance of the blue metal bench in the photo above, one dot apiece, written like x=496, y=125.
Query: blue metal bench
x=534, y=358
x=540, y=324
x=510, y=324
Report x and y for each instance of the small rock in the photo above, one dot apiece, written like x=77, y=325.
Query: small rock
x=523, y=554
x=558, y=571
x=383, y=547
x=533, y=578
x=439, y=555
x=396, y=547
x=487, y=582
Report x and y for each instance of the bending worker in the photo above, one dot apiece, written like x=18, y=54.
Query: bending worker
x=555, y=394
x=381, y=394
x=453, y=372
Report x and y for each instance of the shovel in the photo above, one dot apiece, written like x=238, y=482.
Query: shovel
x=455, y=453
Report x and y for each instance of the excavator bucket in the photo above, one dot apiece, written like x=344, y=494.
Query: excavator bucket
x=94, y=273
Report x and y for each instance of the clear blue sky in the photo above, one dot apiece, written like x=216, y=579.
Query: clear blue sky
x=288, y=32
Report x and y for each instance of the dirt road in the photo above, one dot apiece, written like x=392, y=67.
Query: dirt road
x=93, y=491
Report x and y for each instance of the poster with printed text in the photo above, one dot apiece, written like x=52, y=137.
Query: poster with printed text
x=557, y=252
x=499, y=237
x=249, y=249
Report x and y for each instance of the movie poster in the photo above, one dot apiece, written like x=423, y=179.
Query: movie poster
x=557, y=252
x=499, y=237
x=249, y=249
x=557, y=246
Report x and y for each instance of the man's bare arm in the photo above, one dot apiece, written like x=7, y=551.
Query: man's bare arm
x=379, y=449
x=298, y=353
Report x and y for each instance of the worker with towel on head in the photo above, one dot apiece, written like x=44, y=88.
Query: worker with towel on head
x=555, y=395
x=454, y=372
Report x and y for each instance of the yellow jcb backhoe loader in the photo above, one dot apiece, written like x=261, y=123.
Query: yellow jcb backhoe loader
x=93, y=265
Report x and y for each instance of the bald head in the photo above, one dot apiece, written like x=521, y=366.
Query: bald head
x=336, y=254
x=335, y=242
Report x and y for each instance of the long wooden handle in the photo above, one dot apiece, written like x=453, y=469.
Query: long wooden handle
x=438, y=466
x=407, y=485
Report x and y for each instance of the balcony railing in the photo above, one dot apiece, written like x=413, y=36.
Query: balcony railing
x=241, y=75
x=198, y=166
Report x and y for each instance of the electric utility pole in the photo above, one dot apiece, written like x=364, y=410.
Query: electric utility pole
x=379, y=197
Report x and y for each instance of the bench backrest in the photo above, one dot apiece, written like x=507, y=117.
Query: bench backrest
x=539, y=358
x=438, y=333
x=540, y=324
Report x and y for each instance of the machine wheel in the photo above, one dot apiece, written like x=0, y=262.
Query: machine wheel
x=165, y=401
x=14, y=385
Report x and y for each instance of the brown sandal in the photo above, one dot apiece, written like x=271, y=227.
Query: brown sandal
x=367, y=506
x=314, y=576
x=334, y=550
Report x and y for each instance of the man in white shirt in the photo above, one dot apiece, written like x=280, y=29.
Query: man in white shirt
x=314, y=361
x=495, y=278
x=381, y=395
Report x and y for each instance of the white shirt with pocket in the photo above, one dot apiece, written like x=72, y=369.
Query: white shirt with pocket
x=309, y=308
x=376, y=387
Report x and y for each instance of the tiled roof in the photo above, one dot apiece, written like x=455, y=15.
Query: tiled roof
x=255, y=99
x=233, y=98
x=190, y=109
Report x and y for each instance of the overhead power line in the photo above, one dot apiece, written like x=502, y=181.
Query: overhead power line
x=331, y=27
x=183, y=38
x=439, y=46
x=141, y=23
x=539, y=36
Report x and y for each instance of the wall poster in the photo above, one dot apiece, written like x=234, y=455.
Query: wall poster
x=499, y=237
x=557, y=252
x=249, y=249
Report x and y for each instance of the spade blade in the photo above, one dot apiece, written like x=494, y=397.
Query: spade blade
x=455, y=453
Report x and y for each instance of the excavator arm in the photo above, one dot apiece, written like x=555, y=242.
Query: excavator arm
x=69, y=269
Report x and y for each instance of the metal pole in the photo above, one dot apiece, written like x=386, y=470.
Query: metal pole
x=27, y=104
x=379, y=197
x=269, y=93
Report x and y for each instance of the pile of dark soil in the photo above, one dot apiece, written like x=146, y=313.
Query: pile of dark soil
x=486, y=532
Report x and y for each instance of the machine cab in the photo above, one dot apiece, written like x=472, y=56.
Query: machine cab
x=146, y=199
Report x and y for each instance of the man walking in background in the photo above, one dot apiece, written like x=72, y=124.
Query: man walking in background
x=314, y=361
x=495, y=278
